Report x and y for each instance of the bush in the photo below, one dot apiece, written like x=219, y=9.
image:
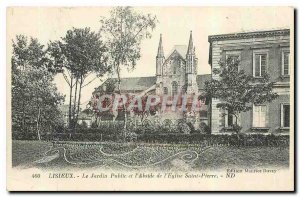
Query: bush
x=156, y=133
x=164, y=138
x=204, y=128
x=206, y=139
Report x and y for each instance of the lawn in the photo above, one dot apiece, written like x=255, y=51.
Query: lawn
x=145, y=156
x=243, y=157
x=25, y=152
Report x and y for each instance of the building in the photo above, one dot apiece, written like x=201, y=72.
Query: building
x=258, y=52
x=176, y=74
x=85, y=115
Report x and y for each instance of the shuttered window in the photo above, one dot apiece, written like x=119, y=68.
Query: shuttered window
x=259, y=115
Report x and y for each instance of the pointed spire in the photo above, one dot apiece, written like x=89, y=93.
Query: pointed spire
x=190, y=47
x=160, y=51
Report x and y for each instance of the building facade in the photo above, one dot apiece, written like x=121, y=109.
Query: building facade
x=176, y=74
x=258, y=52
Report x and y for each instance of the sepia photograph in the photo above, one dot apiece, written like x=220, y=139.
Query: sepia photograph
x=127, y=98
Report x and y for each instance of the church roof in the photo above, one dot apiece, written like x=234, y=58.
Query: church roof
x=181, y=49
x=86, y=114
x=133, y=83
x=191, y=47
x=143, y=83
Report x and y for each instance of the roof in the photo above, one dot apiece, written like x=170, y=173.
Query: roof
x=201, y=80
x=134, y=83
x=160, y=50
x=181, y=49
x=86, y=114
x=190, y=48
x=244, y=35
x=144, y=83
x=252, y=34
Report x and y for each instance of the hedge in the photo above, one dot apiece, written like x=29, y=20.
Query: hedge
x=170, y=138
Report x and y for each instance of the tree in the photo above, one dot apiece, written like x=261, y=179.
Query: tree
x=125, y=29
x=237, y=91
x=141, y=110
x=81, y=53
x=35, y=99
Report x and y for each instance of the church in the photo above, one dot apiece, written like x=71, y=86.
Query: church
x=176, y=74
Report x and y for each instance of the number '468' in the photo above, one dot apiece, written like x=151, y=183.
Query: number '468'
x=36, y=176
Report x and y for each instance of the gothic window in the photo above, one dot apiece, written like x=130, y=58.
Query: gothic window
x=174, y=88
x=165, y=90
x=174, y=69
x=183, y=88
x=189, y=65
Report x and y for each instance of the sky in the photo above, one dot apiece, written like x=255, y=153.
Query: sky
x=175, y=24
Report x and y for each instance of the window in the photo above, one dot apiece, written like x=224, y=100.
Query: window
x=285, y=63
x=189, y=65
x=234, y=58
x=234, y=55
x=259, y=115
x=165, y=90
x=176, y=65
x=230, y=119
x=203, y=114
x=285, y=115
x=174, y=88
x=260, y=64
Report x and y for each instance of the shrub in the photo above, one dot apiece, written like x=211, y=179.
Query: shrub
x=228, y=140
x=204, y=128
x=156, y=133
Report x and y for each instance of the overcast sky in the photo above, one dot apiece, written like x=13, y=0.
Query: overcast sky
x=175, y=24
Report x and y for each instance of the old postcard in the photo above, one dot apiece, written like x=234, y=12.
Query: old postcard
x=150, y=99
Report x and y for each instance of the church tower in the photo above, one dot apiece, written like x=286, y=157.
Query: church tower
x=160, y=58
x=191, y=68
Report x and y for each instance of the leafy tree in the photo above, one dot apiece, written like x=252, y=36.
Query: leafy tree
x=81, y=53
x=125, y=29
x=35, y=99
x=237, y=91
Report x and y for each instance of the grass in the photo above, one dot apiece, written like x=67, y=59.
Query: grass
x=243, y=157
x=26, y=152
